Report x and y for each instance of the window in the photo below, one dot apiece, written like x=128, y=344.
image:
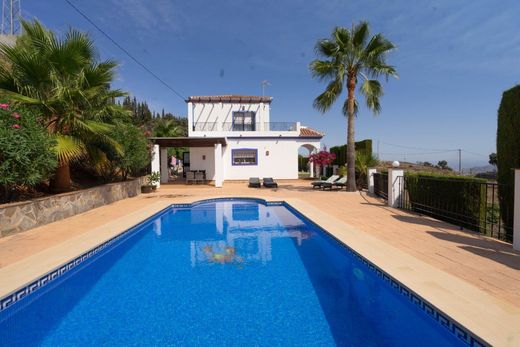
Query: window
x=244, y=121
x=244, y=156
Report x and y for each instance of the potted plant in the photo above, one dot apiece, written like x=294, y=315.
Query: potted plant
x=153, y=179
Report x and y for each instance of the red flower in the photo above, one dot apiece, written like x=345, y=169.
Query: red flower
x=15, y=126
x=16, y=115
x=4, y=106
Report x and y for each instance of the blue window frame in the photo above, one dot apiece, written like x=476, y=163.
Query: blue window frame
x=244, y=121
x=244, y=156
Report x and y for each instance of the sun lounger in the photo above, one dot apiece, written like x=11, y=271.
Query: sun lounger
x=342, y=182
x=331, y=179
x=254, y=182
x=269, y=183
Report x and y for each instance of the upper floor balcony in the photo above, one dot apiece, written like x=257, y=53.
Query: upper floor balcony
x=246, y=127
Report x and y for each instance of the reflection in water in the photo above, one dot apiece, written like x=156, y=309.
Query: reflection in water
x=228, y=256
x=240, y=232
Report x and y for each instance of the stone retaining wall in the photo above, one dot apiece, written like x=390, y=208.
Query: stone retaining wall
x=20, y=216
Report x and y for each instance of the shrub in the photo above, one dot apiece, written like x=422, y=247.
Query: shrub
x=364, y=146
x=26, y=150
x=508, y=153
x=364, y=160
x=135, y=154
x=455, y=199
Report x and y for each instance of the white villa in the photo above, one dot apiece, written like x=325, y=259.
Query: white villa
x=232, y=137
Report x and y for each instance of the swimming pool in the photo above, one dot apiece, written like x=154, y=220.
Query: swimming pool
x=235, y=272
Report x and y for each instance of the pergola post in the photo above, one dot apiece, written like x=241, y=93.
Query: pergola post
x=164, y=165
x=156, y=164
x=218, y=166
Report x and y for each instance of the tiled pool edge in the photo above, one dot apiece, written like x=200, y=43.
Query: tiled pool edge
x=461, y=332
x=18, y=294
x=50, y=276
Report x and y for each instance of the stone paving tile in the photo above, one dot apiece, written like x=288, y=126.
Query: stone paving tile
x=489, y=264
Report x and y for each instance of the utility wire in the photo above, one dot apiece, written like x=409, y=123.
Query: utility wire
x=125, y=51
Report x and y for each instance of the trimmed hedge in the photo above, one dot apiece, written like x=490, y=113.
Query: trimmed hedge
x=459, y=200
x=508, y=153
x=341, y=151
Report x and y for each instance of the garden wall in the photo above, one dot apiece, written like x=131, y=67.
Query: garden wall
x=20, y=216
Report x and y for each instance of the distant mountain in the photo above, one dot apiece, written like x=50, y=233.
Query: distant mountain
x=481, y=169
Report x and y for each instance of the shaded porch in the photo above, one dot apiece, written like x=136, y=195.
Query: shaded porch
x=210, y=149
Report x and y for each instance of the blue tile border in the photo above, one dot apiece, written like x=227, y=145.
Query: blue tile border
x=53, y=275
x=468, y=337
x=437, y=315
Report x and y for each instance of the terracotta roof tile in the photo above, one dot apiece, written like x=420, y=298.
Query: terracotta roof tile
x=230, y=98
x=308, y=132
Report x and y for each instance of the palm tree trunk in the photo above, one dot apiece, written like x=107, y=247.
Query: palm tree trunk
x=351, y=149
x=61, y=180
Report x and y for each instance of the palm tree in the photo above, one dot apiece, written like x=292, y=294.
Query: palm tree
x=62, y=79
x=351, y=55
x=166, y=128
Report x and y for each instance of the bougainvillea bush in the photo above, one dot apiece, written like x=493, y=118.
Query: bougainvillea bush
x=321, y=159
x=26, y=150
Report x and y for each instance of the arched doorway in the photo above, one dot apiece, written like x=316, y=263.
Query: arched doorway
x=303, y=154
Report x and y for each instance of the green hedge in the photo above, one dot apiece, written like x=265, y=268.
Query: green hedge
x=341, y=151
x=508, y=153
x=459, y=200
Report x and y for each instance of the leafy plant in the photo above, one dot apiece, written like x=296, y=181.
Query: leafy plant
x=364, y=161
x=342, y=170
x=26, y=156
x=167, y=128
x=154, y=178
x=134, y=154
x=351, y=55
x=61, y=78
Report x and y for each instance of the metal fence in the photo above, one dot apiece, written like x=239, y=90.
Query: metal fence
x=381, y=184
x=468, y=204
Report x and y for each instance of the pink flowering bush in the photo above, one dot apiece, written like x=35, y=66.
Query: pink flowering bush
x=322, y=159
x=26, y=151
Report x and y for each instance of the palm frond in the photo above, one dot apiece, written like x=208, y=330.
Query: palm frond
x=325, y=100
x=372, y=90
x=68, y=148
x=323, y=69
x=360, y=34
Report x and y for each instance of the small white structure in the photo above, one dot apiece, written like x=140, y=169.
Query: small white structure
x=231, y=137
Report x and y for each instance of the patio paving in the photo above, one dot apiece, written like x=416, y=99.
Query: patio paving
x=488, y=264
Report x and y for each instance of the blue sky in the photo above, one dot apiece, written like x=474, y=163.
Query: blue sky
x=454, y=58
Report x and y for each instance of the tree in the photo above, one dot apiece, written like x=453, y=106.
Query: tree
x=443, y=164
x=61, y=78
x=351, y=55
x=166, y=128
x=508, y=155
x=26, y=156
x=493, y=159
x=134, y=154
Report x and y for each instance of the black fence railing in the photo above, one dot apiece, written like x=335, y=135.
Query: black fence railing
x=230, y=126
x=468, y=204
x=381, y=184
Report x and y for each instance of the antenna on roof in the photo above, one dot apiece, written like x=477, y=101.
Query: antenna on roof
x=265, y=83
x=11, y=14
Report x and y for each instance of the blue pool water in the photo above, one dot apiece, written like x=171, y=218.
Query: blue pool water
x=225, y=273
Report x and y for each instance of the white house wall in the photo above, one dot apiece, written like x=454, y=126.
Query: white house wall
x=281, y=163
x=197, y=161
x=212, y=115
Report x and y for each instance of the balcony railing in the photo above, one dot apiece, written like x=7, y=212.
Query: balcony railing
x=266, y=126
